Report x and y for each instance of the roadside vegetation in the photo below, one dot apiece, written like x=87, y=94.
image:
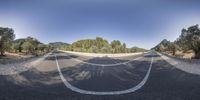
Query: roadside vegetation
x=29, y=46
x=100, y=45
x=186, y=45
x=12, y=50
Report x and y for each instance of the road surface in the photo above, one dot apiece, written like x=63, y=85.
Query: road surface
x=63, y=76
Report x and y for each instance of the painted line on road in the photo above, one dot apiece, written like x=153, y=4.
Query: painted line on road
x=106, y=65
x=82, y=91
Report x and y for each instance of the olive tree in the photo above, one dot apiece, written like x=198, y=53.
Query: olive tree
x=172, y=47
x=6, y=37
x=190, y=40
x=42, y=47
x=30, y=45
x=15, y=46
x=116, y=46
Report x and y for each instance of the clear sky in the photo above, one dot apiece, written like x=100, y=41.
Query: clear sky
x=142, y=23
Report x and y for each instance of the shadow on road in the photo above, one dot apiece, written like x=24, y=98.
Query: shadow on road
x=165, y=82
x=108, y=78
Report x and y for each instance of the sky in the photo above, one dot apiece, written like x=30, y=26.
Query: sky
x=142, y=23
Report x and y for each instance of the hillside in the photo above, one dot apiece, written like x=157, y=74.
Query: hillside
x=58, y=44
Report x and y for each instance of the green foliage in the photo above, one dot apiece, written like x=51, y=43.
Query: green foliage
x=6, y=37
x=15, y=46
x=59, y=45
x=92, y=49
x=137, y=49
x=99, y=45
x=89, y=45
x=190, y=40
x=41, y=47
x=165, y=46
x=117, y=47
x=19, y=43
x=106, y=49
x=33, y=46
x=115, y=43
x=30, y=45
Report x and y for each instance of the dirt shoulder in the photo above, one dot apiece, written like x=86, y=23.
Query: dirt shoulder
x=12, y=58
x=187, y=65
x=18, y=66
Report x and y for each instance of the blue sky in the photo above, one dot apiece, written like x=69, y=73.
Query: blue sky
x=142, y=23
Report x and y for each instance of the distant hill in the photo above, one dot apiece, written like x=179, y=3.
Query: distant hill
x=58, y=44
x=162, y=45
x=137, y=49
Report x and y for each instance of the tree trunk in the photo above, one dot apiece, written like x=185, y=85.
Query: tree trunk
x=173, y=52
x=20, y=49
x=197, y=54
x=2, y=53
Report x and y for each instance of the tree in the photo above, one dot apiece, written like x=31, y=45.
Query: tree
x=19, y=43
x=89, y=45
x=172, y=47
x=30, y=45
x=106, y=49
x=98, y=45
x=6, y=37
x=190, y=40
x=93, y=49
x=137, y=49
x=42, y=47
x=124, y=48
x=15, y=46
x=100, y=42
x=116, y=45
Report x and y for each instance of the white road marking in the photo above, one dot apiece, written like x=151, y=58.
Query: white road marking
x=82, y=91
x=104, y=64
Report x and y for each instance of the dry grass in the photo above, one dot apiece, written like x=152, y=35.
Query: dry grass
x=14, y=58
x=187, y=54
x=19, y=54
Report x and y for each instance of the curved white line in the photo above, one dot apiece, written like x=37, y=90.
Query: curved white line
x=104, y=64
x=75, y=89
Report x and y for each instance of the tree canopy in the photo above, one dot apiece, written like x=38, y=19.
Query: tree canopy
x=29, y=45
x=100, y=45
x=188, y=40
x=6, y=37
x=33, y=46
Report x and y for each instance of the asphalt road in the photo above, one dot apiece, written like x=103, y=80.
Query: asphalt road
x=44, y=82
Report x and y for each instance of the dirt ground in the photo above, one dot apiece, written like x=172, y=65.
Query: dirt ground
x=188, y=54
x=14, y=57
